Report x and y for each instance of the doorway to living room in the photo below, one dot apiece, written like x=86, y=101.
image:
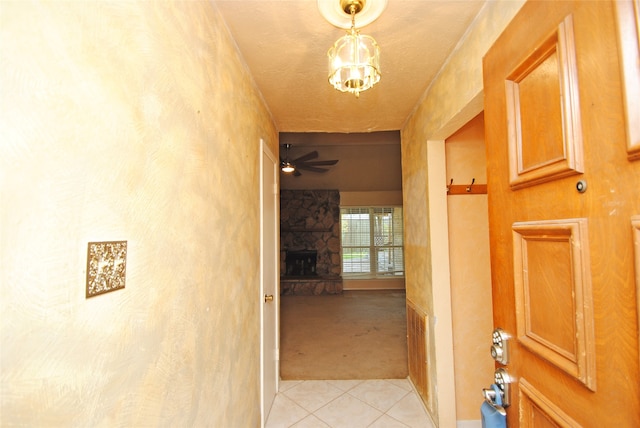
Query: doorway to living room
x=333, y=324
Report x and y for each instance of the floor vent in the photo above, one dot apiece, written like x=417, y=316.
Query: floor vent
x=417, y=344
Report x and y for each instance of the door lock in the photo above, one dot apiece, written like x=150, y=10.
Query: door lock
x=503, y=379
x=268, y=298
x=500, y=347
x=498, y=396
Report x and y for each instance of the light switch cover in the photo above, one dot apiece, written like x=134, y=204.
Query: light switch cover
x=106, y=267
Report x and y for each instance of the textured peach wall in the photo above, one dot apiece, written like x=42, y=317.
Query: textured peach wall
x=128, y=121
x=471, y=304
x=453, y=99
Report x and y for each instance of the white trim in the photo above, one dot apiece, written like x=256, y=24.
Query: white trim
x=266, y=151
x=441, y=283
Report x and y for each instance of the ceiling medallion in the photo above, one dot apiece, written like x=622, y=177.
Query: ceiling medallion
x=354, y=59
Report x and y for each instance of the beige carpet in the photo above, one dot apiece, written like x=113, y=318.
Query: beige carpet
x=356, y=335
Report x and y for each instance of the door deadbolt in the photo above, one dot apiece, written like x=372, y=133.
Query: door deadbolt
x=268, y=297
x=499, y=347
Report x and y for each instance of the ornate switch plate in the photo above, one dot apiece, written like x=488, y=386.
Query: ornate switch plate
x=106, y=267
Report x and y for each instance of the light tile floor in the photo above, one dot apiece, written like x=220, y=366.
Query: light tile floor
x=347, y=403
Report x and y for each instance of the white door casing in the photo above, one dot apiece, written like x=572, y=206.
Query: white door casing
x=269, y=274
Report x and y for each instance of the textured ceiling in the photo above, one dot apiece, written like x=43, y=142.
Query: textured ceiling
x=285, y=43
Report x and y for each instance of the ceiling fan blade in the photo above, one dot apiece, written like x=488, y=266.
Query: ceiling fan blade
x=320, y=163
x=297, y=173
x=310, y=168
x=308, y=156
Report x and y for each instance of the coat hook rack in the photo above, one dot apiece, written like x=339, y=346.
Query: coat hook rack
x=473, y=180
x=471, y=189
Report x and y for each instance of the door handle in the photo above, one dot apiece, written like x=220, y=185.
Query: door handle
x=494, y=399
x=500, y=346
x=268, y=298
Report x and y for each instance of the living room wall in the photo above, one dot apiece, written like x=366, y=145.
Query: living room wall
x=367, y=162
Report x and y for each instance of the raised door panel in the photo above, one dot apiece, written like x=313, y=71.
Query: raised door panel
x=543, y=115
x=541, y=412
x=628, y=16
x=554, y=304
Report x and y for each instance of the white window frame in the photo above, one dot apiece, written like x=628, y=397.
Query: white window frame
x=396, y=269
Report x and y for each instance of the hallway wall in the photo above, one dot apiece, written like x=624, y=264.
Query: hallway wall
x=452, y=100
x=133, y=121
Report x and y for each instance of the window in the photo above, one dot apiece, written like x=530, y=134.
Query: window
x=372, y=242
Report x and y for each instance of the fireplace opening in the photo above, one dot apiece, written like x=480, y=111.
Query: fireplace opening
x=301, y=263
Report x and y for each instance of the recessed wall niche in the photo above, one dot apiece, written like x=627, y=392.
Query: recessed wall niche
x=106, y=267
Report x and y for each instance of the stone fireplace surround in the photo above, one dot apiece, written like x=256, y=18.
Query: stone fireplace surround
x=310, y=220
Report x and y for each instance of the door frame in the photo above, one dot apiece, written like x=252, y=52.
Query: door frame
x=266, y=153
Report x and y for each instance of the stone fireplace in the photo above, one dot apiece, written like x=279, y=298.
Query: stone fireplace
x=310, y=261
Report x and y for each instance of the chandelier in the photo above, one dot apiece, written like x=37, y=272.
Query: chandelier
x=354, y=59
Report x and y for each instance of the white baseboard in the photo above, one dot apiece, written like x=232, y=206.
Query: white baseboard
x=469, y=424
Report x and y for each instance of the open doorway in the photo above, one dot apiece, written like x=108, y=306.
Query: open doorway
x=329, y=305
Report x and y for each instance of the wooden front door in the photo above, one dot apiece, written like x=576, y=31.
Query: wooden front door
x=564, y=196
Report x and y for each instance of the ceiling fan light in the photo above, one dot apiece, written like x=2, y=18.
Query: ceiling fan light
x=287, y=168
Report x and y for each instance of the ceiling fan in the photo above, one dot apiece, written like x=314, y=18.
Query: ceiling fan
x=304, y=162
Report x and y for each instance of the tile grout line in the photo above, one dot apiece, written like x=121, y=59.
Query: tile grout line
x=347, y=392
x=411, y=390
x=382, y=413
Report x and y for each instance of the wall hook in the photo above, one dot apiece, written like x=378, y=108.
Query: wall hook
x=449, y=186
x=473, y=180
